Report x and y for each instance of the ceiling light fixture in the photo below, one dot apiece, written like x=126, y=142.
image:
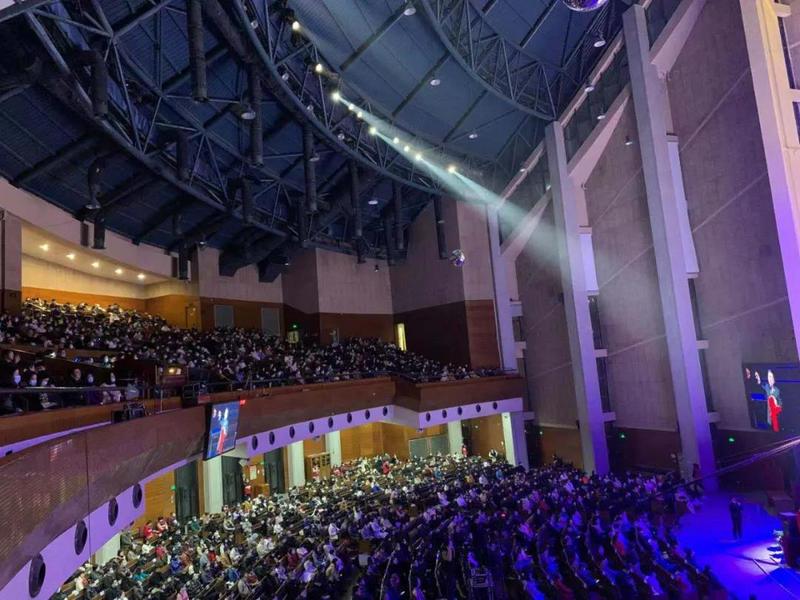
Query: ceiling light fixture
x=406, y=148
x=318, y=68
x=451, y=169
x=395, y=140
x=340, y=135
x=410, y=10
x=628, y=141
x=360, y=115
x=295, y=26
x=589, y=88
x=372, y=201
x=71, y=256
x=601, y=116
x=436, y=82
x=45, y=247
x=96, y=264
x=336, y=96
x=473, y=135
x=285, y=75
x=373, y=130
x=140, y=276
x=118, y=271
x=418, y=156
x=599, y=41
x=523, y=169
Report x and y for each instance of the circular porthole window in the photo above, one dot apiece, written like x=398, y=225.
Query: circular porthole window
x=477, y=408
x=271, y=438
x=36, y=576
x=254, y=442
x=460, y=411
x=427, y=416
x=330, y=422
x=494, y=405
x=349, y=418
x=81, y=535
x=291, y=432
x=113, y=511
x=137, y=496
x=367, y=415
x=385, y=410
x=311, y=427
x=444, y=414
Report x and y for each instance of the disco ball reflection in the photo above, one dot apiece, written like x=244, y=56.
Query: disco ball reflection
x=458, y=258
x=584, y=5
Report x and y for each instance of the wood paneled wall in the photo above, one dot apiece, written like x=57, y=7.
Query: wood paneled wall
x=486, y=434
x=178, y=310
x=376, y=326
x=245, y=314
x=159, y=498
x=372, y=439
x=562, y=442
x=314, y=445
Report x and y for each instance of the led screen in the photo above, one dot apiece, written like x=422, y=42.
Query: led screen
x=223, y=423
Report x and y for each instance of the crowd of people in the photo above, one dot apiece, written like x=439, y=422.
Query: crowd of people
x=450, y=527
x=223, y=354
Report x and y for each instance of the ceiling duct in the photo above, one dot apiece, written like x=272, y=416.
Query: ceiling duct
x=98, y=90
x=309, y=168
x=99, y=237
x=441, y=241
x=182, y=158
x=256, y=125
x=197, y=50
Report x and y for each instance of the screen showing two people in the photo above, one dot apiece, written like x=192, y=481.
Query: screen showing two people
x=223, y=424
x=773, y=396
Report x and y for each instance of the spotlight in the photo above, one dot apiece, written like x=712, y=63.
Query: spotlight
x=435, y=82
x=451, y=169
x=140, y=276
x=584, y=5
x=246, y=112
x=406, y=148
x=418, y=156
x=523, y=169
x=589, y=88
x=599, y=41
x=395, y=140
x=96, y=264
x=285, y=75
x=295, y=26
x=45, y=247
x=628, y=141
x=473, y=135
x=601, y=116
x=373, y=130
x=410, y=10
x=340, y=135
x=360, y=115
x=71, y=256
x=372, y=202
x=377, y=268
x=118, y=271
x=336, y=96
x=318, y=68
x=310, y=107
x=314, y=157
x=351, y=107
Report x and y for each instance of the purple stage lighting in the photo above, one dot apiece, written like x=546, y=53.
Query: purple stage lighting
x=584, y=5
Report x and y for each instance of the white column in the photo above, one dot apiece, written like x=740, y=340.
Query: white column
x=576, y=304
x=333, y=446
x=774, y=103
x=107, y=551
x=649, y=96
x=502, y=298
x=212, y=484
x=514, y=439
x=297, y=464
x=455, y=437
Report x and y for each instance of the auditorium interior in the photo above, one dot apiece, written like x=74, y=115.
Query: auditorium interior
x=399, y=299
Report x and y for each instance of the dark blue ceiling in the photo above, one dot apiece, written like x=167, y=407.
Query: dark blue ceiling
x=146, y=49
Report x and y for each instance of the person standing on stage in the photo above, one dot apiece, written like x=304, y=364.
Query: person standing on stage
x=735, y=508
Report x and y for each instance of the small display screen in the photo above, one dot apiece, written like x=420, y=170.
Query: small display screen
x=223, y=423
x=773, y=396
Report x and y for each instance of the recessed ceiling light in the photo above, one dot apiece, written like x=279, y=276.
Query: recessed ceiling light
x=336, y=96
x=71, y=256
x=96, y=264
x=373, y=130
x=410, y=10
x=601, y=116
x=45, y=247
x=436, y=81
x=628, y=141
x=418, y=156
x=523, y=170
x=118, y=271
x=372, y=202
x=599, y=41
x=589, y=88
x=395, y=140
x=318, y=68
x=295, y=25
x=473, y=135
x=406, y=148
x=140, y=276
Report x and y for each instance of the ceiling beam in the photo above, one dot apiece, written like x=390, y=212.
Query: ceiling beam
x=377, y=35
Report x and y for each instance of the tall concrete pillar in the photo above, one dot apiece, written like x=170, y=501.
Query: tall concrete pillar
x=212, y=485
x=594, y=448
x=649, y=98
x=107, y=551
x=514, y=439
x=297, y=467
x=502, y=297
x=455, y=437
x=333, y=446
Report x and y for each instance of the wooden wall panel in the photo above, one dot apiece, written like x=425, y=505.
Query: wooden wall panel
x=372, y=439
x=438, y=332
x=643, y=448
x=159, y=499
x=482, y=334
x=314, y=445
x=177, y=309
x=349, y=326
x=78, y=297
x=486, y=434
x=562, y=442
x=246, y=315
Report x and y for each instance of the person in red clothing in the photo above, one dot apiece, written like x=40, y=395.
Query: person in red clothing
x=147, y=530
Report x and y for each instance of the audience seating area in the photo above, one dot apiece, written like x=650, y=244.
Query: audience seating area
x=443, y=527
x=41, y=339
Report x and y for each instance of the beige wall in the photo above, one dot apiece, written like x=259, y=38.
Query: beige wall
x=41, y=274
x=473, y=238
x=242, y=286
x=300, y=289
x=348, y=287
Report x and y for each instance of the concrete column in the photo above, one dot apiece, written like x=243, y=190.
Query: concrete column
x=649, y=96
x=212, y=485
x=455, y=437
x=502, y=298
x=295, y=455
x=576, y=304
x=107, y=551
x=514, y=439
x=333, y=446
x=775, y=104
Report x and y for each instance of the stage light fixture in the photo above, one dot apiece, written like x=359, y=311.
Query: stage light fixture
x=285, y=75
x=118, y=271
x=340, y=136
x=473, y=135
x=418, y=156
x=71, y=256
x=628, y=141
x=373, y=130
x=601, y=116
x=360, y=115
x=372, y=202
x=435, y=82
x=589, y=88
x=410, y=10
x=451, y=169
x=296, y=26
x=351, y=107
x=599, y=41
x=318, y=68
x=523, y=169
x=336, y=96
x=406, y=148
x=140, y=276
x=45, y=247
x=395, y=140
